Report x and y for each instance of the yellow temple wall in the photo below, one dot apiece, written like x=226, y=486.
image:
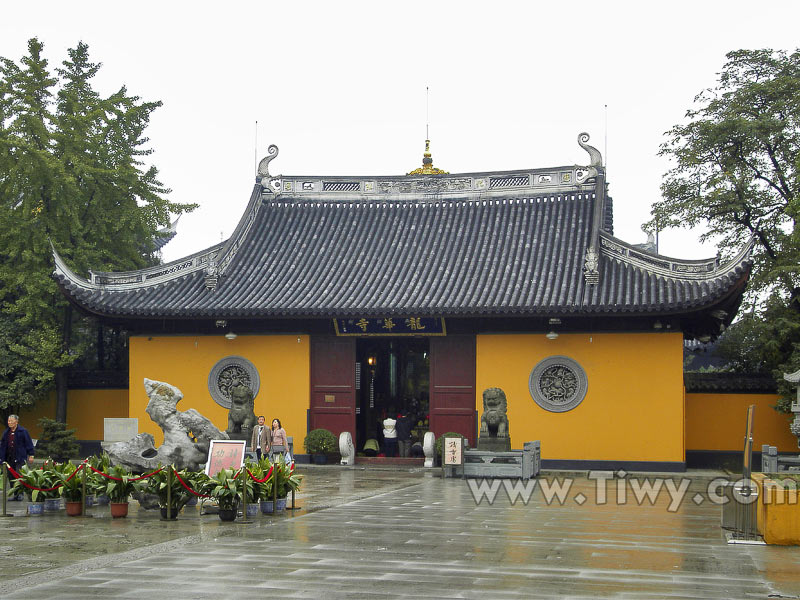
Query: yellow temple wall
x=282, y=362
x=86, y=410
x=633, y=409
x=717, y=422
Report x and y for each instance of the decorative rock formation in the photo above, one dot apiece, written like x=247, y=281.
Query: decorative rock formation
x=494, y=435
x=186, y=434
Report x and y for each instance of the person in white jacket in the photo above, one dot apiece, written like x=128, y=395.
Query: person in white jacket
x=390, y=434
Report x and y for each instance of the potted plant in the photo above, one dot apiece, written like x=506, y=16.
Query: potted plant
x=52, y=497
x=171, y=494
x=118, y=488
x=286, y=480
x=225, y=488
x=319, y=443
x=36, y=479
x=71, y=489
x=97, y=482
x=262, y=490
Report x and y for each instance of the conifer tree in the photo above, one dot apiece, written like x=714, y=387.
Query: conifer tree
x=72, y=174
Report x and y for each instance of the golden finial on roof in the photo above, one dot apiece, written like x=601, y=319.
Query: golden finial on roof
x=427, y=167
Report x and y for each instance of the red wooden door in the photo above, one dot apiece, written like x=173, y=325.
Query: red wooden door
x=452, y=395
x=333, y=394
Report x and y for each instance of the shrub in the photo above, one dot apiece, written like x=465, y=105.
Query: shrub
x=320, y=441
x=56, y=441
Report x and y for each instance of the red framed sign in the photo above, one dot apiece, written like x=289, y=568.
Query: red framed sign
x=225, y=454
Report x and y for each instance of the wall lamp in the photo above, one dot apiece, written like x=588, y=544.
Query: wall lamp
x=230, y=336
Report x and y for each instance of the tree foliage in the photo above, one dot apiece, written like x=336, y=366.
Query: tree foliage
x=72, y=173
x=735, y=171
x=735, y=164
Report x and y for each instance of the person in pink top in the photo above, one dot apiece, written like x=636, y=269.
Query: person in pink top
x=278, y=436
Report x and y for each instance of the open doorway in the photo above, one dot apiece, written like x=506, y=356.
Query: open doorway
x=394, y=378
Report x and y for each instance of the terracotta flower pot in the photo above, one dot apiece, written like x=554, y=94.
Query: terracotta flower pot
x=119, y=509
x=73, y=508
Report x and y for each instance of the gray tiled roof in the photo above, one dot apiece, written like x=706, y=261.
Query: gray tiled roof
x=522, y=254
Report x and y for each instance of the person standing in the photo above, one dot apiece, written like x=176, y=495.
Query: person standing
x=16, y=445
x=405, y=423
x=278, y=436
x=390, y=435
x=259, y=441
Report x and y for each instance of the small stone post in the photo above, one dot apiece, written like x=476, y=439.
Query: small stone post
x=5, y=491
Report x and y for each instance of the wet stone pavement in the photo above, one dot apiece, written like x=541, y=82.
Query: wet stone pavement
x=403, y=534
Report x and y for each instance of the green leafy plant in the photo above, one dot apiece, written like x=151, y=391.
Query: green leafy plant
x=260, y=470
x=164, y=486
x=118, y=491
x=320, y=441
x=33, y=477
x=286, y=480
x=226, y=490
x=71, y=481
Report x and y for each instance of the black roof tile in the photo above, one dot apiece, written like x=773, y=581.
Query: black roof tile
x=432, y=257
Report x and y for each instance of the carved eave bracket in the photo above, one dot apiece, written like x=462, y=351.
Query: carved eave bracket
x=591, y=268
x=270, y=184
x=211, y=276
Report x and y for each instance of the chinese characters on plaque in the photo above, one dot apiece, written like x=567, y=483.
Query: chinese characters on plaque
x=390, y=326
x=453, y=454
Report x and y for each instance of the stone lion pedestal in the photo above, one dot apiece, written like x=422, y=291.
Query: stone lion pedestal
x=494, y=435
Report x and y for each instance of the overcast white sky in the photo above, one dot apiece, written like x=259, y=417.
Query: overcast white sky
x=340, y=87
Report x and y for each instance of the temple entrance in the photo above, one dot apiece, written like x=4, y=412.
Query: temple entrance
x=393, y=376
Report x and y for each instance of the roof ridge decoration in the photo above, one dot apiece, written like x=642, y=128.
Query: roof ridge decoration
x=591, y=268
x=678, y=268
x=427, y=167
x=270, y=183
x=141, y=278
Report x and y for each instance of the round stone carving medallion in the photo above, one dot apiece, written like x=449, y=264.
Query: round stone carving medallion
x=228, y=372
x=558, y=384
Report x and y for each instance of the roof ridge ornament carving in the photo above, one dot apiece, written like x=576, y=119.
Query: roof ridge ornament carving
x=595, y=158
x=270, y=183
x=427, y=167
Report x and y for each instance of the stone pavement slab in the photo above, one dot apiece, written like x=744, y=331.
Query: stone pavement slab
x=404, y=535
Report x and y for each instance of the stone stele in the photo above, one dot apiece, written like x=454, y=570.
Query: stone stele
x=186, y=434
x=494, y=435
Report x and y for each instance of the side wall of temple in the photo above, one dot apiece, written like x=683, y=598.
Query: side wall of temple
x=634, y=405
x=282, y=362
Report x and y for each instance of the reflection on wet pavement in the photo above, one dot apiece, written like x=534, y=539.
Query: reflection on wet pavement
x=401, y=533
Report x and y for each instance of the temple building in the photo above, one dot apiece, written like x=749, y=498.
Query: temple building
x=341, y=299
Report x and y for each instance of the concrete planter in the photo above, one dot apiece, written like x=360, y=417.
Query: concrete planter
x=778, y=511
